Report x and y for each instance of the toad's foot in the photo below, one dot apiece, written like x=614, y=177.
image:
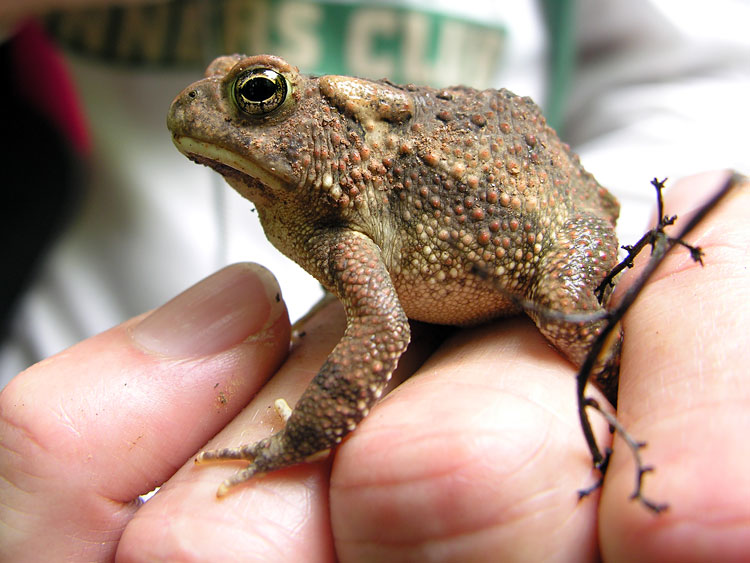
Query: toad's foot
x=258, y=454
x=266, y=455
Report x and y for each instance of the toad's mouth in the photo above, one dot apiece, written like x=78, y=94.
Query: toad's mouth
x=230, y=165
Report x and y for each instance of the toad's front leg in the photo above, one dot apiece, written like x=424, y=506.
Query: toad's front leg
x=355, y=373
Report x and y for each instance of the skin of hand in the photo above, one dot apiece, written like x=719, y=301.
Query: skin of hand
x=475, y=457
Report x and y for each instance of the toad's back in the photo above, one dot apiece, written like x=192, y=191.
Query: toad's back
x=483, y=188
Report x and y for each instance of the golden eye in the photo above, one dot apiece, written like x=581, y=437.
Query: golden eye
x=259, y=91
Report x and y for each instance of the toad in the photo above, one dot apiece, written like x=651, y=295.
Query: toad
x=449, y=206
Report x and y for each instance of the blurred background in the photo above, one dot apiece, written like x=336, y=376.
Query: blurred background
x=102, y=218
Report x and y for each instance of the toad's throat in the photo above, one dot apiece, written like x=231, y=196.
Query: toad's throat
x=227, y=163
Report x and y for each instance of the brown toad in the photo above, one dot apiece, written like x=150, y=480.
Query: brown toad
x=448, y=206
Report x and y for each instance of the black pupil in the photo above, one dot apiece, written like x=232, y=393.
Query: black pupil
x=258, y=88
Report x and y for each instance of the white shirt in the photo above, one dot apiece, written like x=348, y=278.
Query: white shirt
x=660, y=90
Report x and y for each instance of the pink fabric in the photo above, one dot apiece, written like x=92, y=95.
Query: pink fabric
x=42, y=78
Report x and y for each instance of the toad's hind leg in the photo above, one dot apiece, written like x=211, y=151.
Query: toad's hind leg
x=566, y=285
x=353, y=377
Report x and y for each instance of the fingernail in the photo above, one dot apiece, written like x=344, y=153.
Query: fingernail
x=217, y=313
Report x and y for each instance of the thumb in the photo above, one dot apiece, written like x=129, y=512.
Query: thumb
x=84, y=433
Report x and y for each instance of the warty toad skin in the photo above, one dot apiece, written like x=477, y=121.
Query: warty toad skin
x=450, y=206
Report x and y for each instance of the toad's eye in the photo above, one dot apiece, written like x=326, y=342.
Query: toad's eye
x=259, y=91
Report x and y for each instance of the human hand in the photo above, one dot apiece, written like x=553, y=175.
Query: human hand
x=85, y=432
x=478, y=456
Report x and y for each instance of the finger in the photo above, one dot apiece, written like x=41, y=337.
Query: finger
x=684, y=389
x=87, y=431
x=281, y=516
x=479, y=456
